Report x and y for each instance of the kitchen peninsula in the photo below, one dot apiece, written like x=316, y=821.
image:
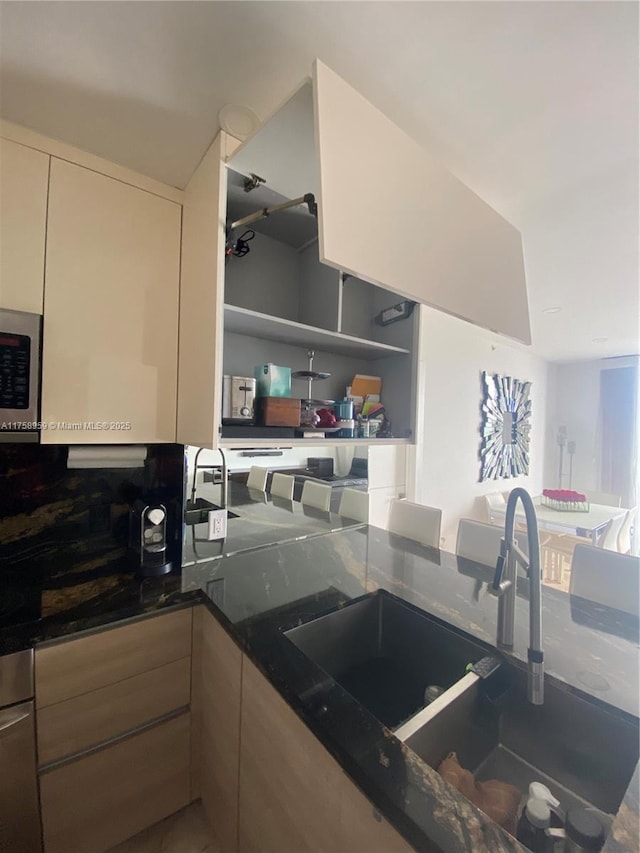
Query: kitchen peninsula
x=256, y=595
x=256, y=520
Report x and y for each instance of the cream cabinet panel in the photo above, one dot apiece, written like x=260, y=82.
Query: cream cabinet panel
x=201, y=300
x=76, y=667
x=394, y=215
x=93, y=718
x=221, y=674
x=388, y=212
x=24, y=178
x=378, y=188
x=293, y=795
x=94, y=802
x=110, y=311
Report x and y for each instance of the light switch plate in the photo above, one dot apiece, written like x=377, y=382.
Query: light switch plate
x=217, y=524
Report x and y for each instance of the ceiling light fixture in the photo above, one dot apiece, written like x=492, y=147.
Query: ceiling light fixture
x=555, y=309
x=238, y=120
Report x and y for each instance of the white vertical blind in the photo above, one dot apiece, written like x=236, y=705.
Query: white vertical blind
x=619, y=433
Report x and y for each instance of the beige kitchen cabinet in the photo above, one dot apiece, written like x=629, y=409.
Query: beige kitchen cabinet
x=274, y=305
x=77, y=724
x=24, y=178
x=69, y=669
x=293, y=795
x=218, y=744
x=388, y=212
x=110, y=338
x=393, y=225
x=113, y=725
x=96, y=801
x=201, y=299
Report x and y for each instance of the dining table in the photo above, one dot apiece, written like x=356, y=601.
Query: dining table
x=588, y=524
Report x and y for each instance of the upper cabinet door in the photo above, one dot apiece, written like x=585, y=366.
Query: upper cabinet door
x=395, y=215
x=24, y=176
x=201, y=300
x=110, y=311
x=389, y=212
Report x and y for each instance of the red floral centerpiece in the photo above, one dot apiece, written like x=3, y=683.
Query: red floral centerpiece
x=565, y=500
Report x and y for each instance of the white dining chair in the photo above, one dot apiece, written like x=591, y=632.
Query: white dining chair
x=354, y=504
x=316, y=495
x=495, y=502
x=606, y=577
x=603, y=498
x=478, y=541
x=282, y=485
x=627, y=532
x=257, y=478
x=608, y=539
x=415, y=521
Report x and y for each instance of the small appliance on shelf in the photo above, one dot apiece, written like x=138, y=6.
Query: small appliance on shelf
x=238, y=396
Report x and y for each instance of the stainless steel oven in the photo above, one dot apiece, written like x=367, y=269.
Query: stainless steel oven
x=20, y=337
x=20, y=830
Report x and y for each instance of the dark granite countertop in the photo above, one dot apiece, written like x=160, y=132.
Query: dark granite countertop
x=257, y=597
x=587, y=651
x=89, y=605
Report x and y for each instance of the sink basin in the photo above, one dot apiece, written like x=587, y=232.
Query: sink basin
x=386, y=653
x=583, y=752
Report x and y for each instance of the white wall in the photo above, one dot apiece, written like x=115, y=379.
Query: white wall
x=453, y=355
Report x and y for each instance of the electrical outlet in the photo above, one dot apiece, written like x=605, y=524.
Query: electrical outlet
x=217, y=524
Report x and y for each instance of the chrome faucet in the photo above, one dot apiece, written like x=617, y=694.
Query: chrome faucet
x=504, y=586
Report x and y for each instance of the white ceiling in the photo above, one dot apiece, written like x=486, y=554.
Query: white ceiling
x=534, y=105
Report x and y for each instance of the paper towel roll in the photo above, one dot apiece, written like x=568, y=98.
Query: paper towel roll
x=107, y=456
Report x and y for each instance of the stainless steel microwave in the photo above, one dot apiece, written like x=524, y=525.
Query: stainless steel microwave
x=20, y=347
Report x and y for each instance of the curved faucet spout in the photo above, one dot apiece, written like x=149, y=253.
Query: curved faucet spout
x=504, y=585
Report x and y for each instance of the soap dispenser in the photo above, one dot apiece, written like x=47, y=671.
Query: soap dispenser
x=532, y=826
x=541, y=792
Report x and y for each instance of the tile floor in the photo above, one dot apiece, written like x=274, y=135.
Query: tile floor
x=185, y=831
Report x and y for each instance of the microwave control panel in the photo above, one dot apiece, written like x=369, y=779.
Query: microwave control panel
x=15, y=355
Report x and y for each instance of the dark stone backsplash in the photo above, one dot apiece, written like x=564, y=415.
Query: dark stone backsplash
x=55, y=522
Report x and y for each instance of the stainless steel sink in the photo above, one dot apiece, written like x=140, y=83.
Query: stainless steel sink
x=385, y=653
x=583, y=752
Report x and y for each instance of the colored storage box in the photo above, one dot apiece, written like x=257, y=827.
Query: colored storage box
x=272, y=380
x=278, y=411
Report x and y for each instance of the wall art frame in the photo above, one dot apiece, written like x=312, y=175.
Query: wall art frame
x=505, y=428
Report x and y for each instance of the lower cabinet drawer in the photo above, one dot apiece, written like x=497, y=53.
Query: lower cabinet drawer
x=97, y=801
x=74, y=667
x=91, y=719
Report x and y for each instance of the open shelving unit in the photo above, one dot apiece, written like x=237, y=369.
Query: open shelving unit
x=283, y=443
x=244, y=321
x=281, y=302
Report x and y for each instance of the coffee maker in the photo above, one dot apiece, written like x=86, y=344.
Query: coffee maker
x=148, y=539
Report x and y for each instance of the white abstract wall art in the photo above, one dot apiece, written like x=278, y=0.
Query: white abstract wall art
x=505, y=428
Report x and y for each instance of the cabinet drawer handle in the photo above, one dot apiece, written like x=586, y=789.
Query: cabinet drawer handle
x=11, y=719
